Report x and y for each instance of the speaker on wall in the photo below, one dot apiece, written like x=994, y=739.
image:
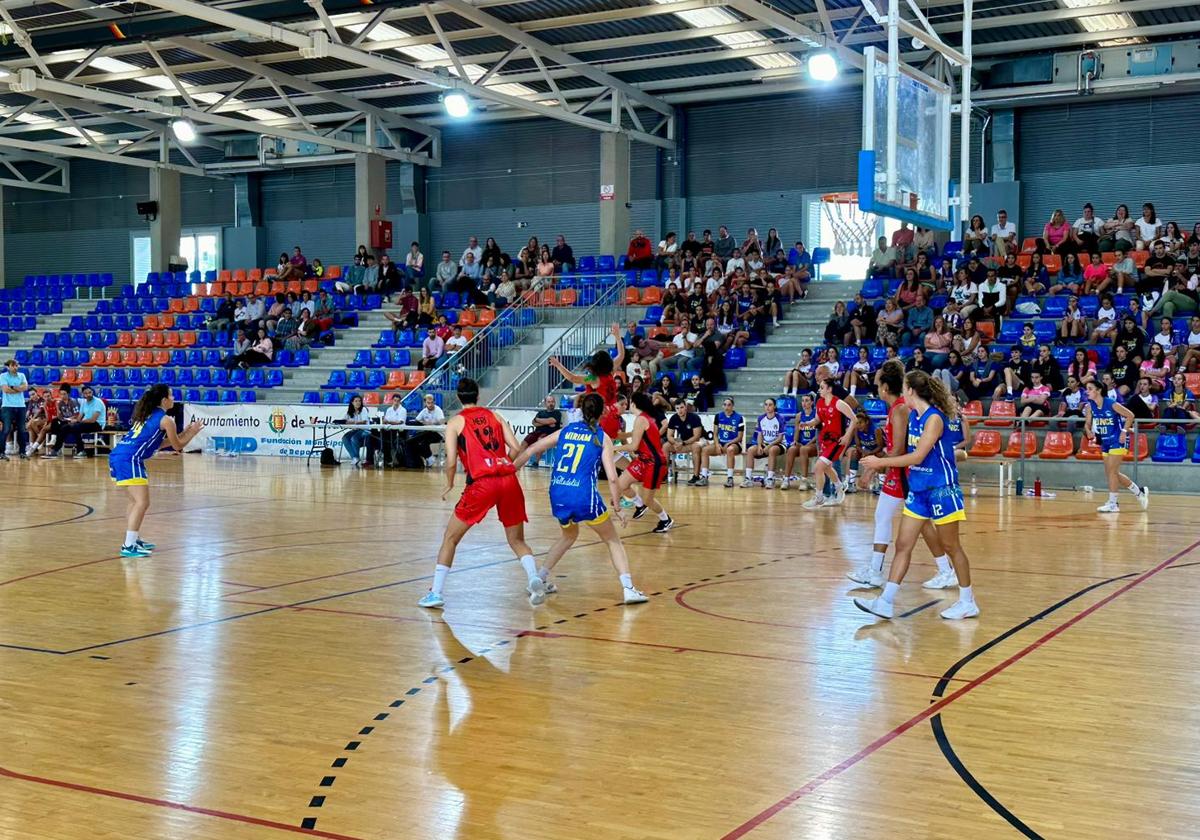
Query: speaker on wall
x=148, y=209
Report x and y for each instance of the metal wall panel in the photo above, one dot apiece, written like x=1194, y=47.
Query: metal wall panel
x=579, y=223
x=331, y=239
x=1109, y=152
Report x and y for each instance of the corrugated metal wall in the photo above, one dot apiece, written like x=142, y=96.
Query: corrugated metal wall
x=1111, y=152
x=312, y=207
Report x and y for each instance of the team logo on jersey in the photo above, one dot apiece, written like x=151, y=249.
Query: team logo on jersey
x=277, y=421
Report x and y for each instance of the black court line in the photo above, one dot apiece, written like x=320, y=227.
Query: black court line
x=916, y=610
x=939, y=730
x=88, y=511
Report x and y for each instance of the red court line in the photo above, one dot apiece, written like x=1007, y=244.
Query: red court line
x=542, y=634
x=55, y=570
x=176, y=806
x=885, y=739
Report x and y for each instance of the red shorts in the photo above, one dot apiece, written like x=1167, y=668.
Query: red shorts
x=895, y=484
x=502, y=492
x=650, y=475
x=831, y=450
x=610, y=422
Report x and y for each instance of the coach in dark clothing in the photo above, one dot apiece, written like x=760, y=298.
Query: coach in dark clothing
x=546, y=422
x=1048, y=367
x=562, y=255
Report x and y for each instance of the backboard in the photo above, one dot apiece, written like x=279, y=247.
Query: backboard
x=904, y=165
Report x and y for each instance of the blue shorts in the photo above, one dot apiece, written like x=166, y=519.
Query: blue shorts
x=1112, y=446
x=127, y=470
x=571, y=511
x=941, y=504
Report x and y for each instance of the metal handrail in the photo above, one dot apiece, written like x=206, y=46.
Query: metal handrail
x=579, y=340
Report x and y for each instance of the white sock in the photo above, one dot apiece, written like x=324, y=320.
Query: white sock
x=131, y=537
x=730, y=471
x=770, y=473
x=530, y=567
x=877, y=558
x=889, y=591
x=627, y=581
x=943, y=564
x=439, y=578
x=1135, y=490
x=749, y=470
x=853, y=388
x=543, y=573
x=663, y=516
x=965, y=594
x=1112, y=498
x=704, y=473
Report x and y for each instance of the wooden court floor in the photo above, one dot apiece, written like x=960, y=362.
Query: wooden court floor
x=267, y=672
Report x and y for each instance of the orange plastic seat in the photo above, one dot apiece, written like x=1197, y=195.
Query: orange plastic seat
x=140, y=339
x=1139, y=258
x=311, y=286
x=224, y=276
x=240, y=275
x=1019, y=441
x=1085, y=259
x=191, y=304
x=145, y=358
x=172, y=339
x=129, y=358
x=568, y=297
x=986, y=445
x=395, y=380
x=187, y=339
x=987, y=329
x=466, y=318
x=276, y=287
x=1108, y=257
x=1001, y=413
x=83, y=376
x=166, y=321
x=333, y=272
x=161, y=357
x=485, y=317
x=1192, y=381
x=176, y=306
x=150, y=322
x=631, y=296
x=112, y=358
x=1029, y=245
x=1024, y=260
x=124, y=339
x=1089, y=450
x=973, y=409
x=70, y=377
x=97, y=358
x=272, y=271
x=294, y=287
x=1057, y=446
x=1139, y=447
x=246, y=288
x=372, y=398
x=1053, y=263
x=548, y=298
x=658, y=332
x=254, y=274
x=155, y=339
x=468, y=333
x=262, y=288
x=416, y=378
x=651, y=296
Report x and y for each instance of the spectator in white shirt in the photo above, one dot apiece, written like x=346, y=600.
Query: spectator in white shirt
x=1148, y=227
x=414, y=264
x=457, y=341
x=883, y=259
x=685, y=342
x=474, y=249
x=394, y=415
x=665, y=256
x=1003, y=235
x=715, y=282
x=254, y=313
x=1088, y=229
x=735, y=262
x=421, y=443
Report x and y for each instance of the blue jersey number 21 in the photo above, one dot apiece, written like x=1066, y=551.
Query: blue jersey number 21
x=572, y=455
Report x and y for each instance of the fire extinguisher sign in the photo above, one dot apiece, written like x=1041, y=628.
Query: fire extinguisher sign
x=607, y=192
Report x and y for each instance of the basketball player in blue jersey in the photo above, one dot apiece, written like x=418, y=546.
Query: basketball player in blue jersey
x=803, y=446
x=933, y=494
x=573, y=494
x=1106, y=421
x=769, y=443
x=150, y=426
x=730, y=430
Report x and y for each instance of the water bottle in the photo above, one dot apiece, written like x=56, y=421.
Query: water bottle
x=974, y=485
x=378, y=459
x=210, y=447
x=1020, y=487
x=1037, y=486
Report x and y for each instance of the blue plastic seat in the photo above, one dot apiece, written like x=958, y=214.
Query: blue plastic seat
x=586, y=265
x=1046, y=331
x=237, y=378
x=387, y=338
x=876, y=409
x=1010, y=332
x=257, y=378
x=653, y=316
x=605, y=264
x=220, y=377
x=356, y=379
x=331, y=398
x=1170, y=448
x=337, y=379
x=1063, y=354
x=362, y=358
x=191, y=395
x=399, y=359
x=310, y=398
x=248, y=396
x=229, y=396
x=379, y=359
x=1054, y=306
x=735, y=358
x=273, y=379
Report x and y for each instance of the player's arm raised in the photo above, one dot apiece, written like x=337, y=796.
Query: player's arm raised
x=175, y=440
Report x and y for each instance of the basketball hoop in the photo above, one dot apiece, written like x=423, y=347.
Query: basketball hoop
x=853, y=230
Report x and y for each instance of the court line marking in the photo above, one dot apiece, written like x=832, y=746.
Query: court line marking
x=167, y=803
x=89, y=510
x=885, y=739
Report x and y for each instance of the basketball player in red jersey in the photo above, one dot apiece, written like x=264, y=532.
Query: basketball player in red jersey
x=599, y=379
x=485, y=441
x=649, y=466
x=889, y=381
x=837, y=432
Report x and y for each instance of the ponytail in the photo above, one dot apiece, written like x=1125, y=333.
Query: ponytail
x=149, y=403
x=592, y=406
x=932, y=391
x=891, y=375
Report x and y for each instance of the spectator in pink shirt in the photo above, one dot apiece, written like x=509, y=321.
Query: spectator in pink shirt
x=295, y=268
x=432, y=349
x=1058, y=237
x=1035, y=399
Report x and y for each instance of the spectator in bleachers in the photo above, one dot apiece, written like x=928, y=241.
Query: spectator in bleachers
x=326, y=314
x=976, y=270
x=1014, y=376
x=665, y=256
x=224, y=317
x=1187, y=266
x=724, y=245
x=393, y=438
x=490, y=250
x=889, y=324
x=1149, y=228
x=1082, y=369
x=296, y=267
x=1132, y=337
x=640, y=253
x=902, y=241
x=1122, y=371
x=406, y=318
x=420, y=444
x=1159, y=267
x=918, y=320
x=1118, y=230
x=1190, y=358
x=529, y=255
x=390, y=276
x=1096, y=276
x=474, y=250
x=255, y=313
x=371, y=282
x=862, y=319
x=1003, y=235
x=426, y=308
x=772, y=244
x=983, y=376
x=360, y=256
x=261, y=352
x=735, y=263
x=1072, y=399
x=285, y=327
x=938, y=340
x=1073, y=325
x=562, y=255
x=1070, y=276
x=1035, y=397
x=316, y=269
x=924, y=243
x=307, y=331
x=432, y=350
x=909, y=291
x=777, y=264
x=883, y=259
x=648, y=353
x=858, y=375
x=1058, y=237
x=446, y=272
x=89, y=419
x=442, y=328
x=730, y=327
x=13, y=389
x=685, y=342
x=1035, y=280
x=802, y=375
x=663, y=392
x=992, y=301
x=307, y=303
x=751, y=244
x=1105, y=324
x=1179, y=403
x=952, y=372
x=414, y=264
x=1049, y=368
x=1143, y=402
x=467, y=284
x=1157, y=368
x=976, y=238
x=457, y=341
x=241, y=343
x=543, y=277
x=1087, y=230
x=355, y=439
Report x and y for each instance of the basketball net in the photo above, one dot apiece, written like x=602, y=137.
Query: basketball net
x=853, y=230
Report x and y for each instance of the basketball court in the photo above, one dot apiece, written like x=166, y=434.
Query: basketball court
x=268, y=670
